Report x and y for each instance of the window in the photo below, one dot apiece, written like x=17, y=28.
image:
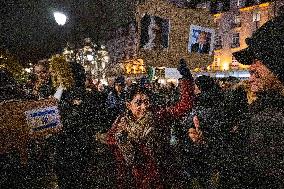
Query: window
x=235, y=40
x=256, y=16
x=218, y=24
x=238, y=3
x=216, y=64
x=237, y=21
x=218, y=42
x=219, y=6
x=202, y=5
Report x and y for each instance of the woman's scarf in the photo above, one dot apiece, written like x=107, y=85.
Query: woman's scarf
x=138, y=132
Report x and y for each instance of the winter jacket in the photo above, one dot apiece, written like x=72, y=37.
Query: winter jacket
x=148, y=176
x=265, y=142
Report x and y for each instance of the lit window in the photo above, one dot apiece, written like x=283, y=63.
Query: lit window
x=218, y=42
x=235, y=40
x=240, y=3
x=256, y=16
x=237, y=19
x=216, y=63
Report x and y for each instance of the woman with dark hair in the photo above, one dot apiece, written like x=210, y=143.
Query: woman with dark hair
x=136, y=137
x=81, y=116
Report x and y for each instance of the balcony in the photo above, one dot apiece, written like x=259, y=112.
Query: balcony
x=235, y=45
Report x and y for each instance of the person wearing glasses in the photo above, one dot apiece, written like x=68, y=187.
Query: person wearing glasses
x=265, y=149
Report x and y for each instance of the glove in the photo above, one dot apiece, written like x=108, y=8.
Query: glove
x=183, y=69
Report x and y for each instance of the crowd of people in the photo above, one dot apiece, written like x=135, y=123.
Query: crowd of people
x=203, y=133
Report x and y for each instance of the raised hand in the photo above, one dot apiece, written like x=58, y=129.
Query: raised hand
x=184, y=70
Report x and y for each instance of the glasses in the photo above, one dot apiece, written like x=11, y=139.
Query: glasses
x=41, y=72
x=254, y=73
x=140, y=102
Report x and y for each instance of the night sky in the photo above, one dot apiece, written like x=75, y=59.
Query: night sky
x=28, y=28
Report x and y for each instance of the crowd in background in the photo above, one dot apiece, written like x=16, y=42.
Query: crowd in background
x=195, y=154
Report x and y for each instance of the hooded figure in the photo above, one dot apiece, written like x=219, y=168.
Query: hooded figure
x=80, y=118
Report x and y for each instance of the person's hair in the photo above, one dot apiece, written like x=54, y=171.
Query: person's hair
x=205, y=83
x=43, y=63
x=62, y=69
x=203, y=33
x=136, y=89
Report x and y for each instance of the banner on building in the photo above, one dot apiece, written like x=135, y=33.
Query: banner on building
x=154, y=32
x=201, y=40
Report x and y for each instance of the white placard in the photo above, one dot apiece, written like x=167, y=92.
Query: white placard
x=43, y=118
x=172, y=73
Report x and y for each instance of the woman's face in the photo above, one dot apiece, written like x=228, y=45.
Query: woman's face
x=193, y=134
x=139, y=105
x=41, y=73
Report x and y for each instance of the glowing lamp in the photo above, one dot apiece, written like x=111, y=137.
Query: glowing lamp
x=60, y=18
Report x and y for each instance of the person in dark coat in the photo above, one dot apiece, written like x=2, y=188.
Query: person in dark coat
x=81, y=117
x=42, y=86
x=197, y=162
x=207, y=115
x=265, y=147
x=116, y=99
x=9, y=88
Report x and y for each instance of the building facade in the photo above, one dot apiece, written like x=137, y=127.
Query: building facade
x=235, y=20
x=236, y=23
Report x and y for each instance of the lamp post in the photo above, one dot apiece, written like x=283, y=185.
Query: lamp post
x=61, y=20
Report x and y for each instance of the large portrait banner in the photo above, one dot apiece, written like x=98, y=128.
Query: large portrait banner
x=201, y=40
x=154, y=32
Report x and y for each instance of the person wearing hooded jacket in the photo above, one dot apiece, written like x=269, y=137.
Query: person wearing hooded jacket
x=75, y=148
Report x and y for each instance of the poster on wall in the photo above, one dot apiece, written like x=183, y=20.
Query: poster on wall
x=154, y=32
x=201, y=40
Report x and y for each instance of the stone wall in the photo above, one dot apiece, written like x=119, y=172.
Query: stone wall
x=180, y=20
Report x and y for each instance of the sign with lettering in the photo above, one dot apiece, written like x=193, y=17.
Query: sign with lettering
x=172, y=73
x=43, y=118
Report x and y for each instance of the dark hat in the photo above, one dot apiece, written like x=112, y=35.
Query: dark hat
x=204, y=83
x=267, y=45
x=120, y=80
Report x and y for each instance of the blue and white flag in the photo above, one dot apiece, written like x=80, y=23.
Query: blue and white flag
x=43, y=118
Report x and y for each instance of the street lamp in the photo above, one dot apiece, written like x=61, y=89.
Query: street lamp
x=60, y=18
